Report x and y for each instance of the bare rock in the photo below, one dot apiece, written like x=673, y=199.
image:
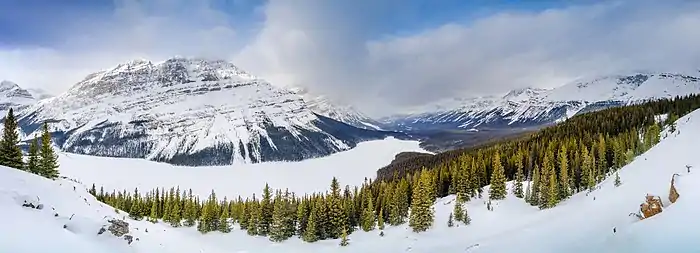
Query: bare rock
x=118, y=227
x=129, y=238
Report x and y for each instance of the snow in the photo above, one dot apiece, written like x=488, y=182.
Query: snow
x=307, y=176
x=181, y=106
x=544, y=105
x=583, y=223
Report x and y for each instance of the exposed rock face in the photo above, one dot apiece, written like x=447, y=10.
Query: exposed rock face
x=673, y=194
x=652, y=206
x=118, y=227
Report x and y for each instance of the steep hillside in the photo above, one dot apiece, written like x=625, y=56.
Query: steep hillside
x=189, y=112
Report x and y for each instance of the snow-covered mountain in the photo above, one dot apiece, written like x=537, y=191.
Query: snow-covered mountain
x=13, y=96
x=189, y=112
x=534, y=107
x=323, y=105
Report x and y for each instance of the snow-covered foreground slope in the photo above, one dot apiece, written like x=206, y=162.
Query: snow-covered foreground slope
x=311, y=175
x=583, y=223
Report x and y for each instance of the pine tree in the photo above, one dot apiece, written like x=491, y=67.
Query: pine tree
x=190, y=211
x=48, y=161
x=380, y=219
x=310, y=235
x=266, y=209
x=553, y=194
x=518, y=191
x=535, y=191
x=465, y=218
x=135, y=209
x=564, y=188
x=617, y=179
x=458, y=212
x=278, y=226
x=33, y=158
x=302, y=216
x=224, y=225
x=344, y=238
x=450, y=221
x=498, y=180
x=175, y=215
x=368, y=217
x=422, y=213
x=10, y=153
x=336, y=213
x=153, y=217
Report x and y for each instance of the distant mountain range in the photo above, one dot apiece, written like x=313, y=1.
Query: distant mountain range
x=531, y=107
x=188, y=112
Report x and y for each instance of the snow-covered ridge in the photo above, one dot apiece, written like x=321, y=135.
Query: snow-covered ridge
x=13, y=96
x=533, y=106
x=190, y=112
x=348, y=114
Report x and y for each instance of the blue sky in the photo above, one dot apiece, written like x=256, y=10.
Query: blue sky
x=388, y=54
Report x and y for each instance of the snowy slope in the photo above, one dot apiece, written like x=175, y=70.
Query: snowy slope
x=13, y=96
x=189, y=112
x=534, y=107
x=580, y=224
x=341, y=112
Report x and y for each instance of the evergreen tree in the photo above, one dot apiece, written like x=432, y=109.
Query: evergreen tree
x=33, y=158
x=518, y=190
x=553, y=194
x=302, y=216
x=224, y=225
x=450, y=221
x=310, y=235
x=498, y=179
x=278, y=227
x=175, y=212
x=344, y=238
x=422, y=213
x=617, y=179
x=190, y=211
x=535, y=191
x=253, y=217
x=380, y=220
x=153, y=217
x=48, y=161
x=368, y=217
x=266, y=209
x=10, y=153
x=458, y=212
x=465, y=218
x=135, y=209
x=564, y=188
x=336, y=213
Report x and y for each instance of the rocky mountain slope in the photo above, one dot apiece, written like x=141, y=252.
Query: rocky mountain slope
x=13, y=96
x=531, y=107
x=342, y=112
x=189, y=112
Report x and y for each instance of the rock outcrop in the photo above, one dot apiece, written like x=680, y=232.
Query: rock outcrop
x=673, y=194
x=652, y=206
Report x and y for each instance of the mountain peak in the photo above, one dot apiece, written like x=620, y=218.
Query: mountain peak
x=8, y=85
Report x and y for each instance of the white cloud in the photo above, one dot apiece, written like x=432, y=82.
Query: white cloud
x=327, y=47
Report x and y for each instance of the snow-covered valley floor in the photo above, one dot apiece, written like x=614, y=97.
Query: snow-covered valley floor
x=312, y=175
x=583, y=223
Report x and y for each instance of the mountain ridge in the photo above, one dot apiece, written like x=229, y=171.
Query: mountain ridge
x=189, y=111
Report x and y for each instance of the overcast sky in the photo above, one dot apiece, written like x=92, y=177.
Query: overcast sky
x=379, y=55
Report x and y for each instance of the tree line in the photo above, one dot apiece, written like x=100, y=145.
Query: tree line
x=41, y=158
x=546, y=168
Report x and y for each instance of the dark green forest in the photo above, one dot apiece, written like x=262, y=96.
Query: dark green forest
x=547, y=167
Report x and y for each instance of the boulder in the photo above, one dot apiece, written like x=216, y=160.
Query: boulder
x=118, y=227
x=652, y=206
x=673, y=193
